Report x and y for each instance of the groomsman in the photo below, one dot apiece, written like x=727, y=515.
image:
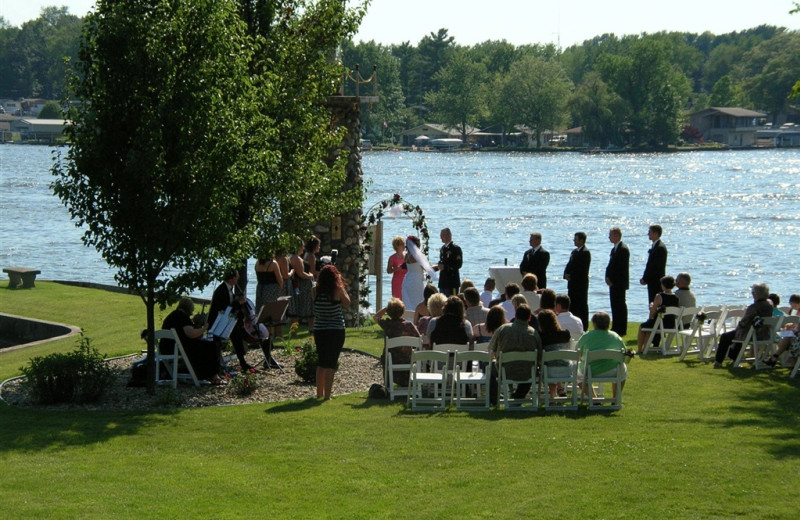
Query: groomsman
x=656, y=267
x=535, y=260
x=618, y=281
x=450, y=260
x=576, y=273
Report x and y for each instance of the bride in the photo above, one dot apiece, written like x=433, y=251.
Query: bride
x=414, y=281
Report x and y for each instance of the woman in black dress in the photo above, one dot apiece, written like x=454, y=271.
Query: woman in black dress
x=666, y=298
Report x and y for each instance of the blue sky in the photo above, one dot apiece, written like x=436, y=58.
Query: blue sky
x=523, y=21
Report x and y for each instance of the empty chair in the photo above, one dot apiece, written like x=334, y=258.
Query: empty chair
x=428, y=380
x=476, y=379
x=397, y=363
x=566, y=375
x=171, y=360
x=703, y=329
x=515, y=369
x=615, y=376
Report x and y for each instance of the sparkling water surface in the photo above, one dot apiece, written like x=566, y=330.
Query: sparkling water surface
x=730, y=218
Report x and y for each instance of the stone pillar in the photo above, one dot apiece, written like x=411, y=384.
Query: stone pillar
x=343, y=232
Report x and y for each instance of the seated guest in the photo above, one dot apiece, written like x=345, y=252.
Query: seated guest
x=553, y=338
x=530, y=290
x=511, y=290
x=422, y=308
x=760, y=307
x=794, y=305
x=662, y=300
x=547, y=300
x=450, y=327
x=476, y=312
x=516, y=336
x=466, y=284
x=488, y=292
x=566, y=319
x=685, y=295
x=203, y=355
x=396, y=326
x=436, y=307
x=790, y=340
x=776, y=300
x=495, y=318
x=600, y=339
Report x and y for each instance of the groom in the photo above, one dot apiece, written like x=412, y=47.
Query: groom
x=450, y=260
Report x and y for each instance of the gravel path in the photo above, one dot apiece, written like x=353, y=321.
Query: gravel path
x=357, y=371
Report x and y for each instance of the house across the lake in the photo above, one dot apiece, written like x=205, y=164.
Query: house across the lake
x=731, y=126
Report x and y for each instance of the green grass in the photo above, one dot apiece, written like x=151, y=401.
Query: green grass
x=690, y=442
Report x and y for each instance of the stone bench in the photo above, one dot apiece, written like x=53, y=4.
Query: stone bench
x=21, y=274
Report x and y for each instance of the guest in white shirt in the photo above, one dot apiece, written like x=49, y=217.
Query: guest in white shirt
x=566, y=319
x=530, y=290
x=488, y=292
x=512, y=290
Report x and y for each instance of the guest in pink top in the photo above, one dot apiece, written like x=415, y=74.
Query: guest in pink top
x=397, y=267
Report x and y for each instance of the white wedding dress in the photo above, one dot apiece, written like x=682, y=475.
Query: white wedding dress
x=413, y=286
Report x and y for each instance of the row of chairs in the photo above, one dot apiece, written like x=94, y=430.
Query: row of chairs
x=452, y=374
x=697, y=331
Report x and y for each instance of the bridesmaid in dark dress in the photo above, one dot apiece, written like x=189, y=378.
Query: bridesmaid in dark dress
x=301, y=306
x=270, y=283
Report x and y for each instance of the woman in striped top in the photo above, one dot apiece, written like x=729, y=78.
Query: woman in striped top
x=330, y=296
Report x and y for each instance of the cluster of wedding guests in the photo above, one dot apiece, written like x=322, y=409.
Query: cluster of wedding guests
x=316, y=294
x=509, y=325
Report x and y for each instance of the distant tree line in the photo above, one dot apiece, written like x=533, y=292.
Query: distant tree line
x=636, y=86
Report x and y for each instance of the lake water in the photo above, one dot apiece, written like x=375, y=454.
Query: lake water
x=730, y=218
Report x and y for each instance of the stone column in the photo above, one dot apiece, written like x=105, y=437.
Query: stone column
x=346, y=111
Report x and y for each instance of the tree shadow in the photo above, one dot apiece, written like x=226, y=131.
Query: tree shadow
x=31, y=430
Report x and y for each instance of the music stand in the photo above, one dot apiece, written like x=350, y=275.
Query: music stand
x=271, y=315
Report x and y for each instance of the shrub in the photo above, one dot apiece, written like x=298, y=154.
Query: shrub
x=244, y=382
x=306, y=366
x=80, y=376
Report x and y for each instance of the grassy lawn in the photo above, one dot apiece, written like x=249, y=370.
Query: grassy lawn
x=690, y=442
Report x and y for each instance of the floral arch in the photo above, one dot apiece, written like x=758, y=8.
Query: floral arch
x=396, y=204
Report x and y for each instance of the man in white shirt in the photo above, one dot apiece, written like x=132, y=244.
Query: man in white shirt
x=566, y=319
x=488, y=292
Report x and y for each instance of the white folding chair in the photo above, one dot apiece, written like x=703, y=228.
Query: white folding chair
x=171, y=360
x=391, y=347
x=668, y=334
x=566, y=375
x=733, y=314
x=615, y=377
x=478, y=379
x=506, y=383
x=758, y=347
x=702, y=330
x=481, y=347
x=429, y=374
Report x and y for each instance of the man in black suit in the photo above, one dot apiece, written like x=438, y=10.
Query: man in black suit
x=450, y=260
x=227, y=294
x=656, y=267
x=535, y=260
x=577, y=276
x=618, y=281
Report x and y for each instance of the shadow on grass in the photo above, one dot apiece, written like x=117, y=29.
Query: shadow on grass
x=35, y=430
x=295, y=406
x=765, y=403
